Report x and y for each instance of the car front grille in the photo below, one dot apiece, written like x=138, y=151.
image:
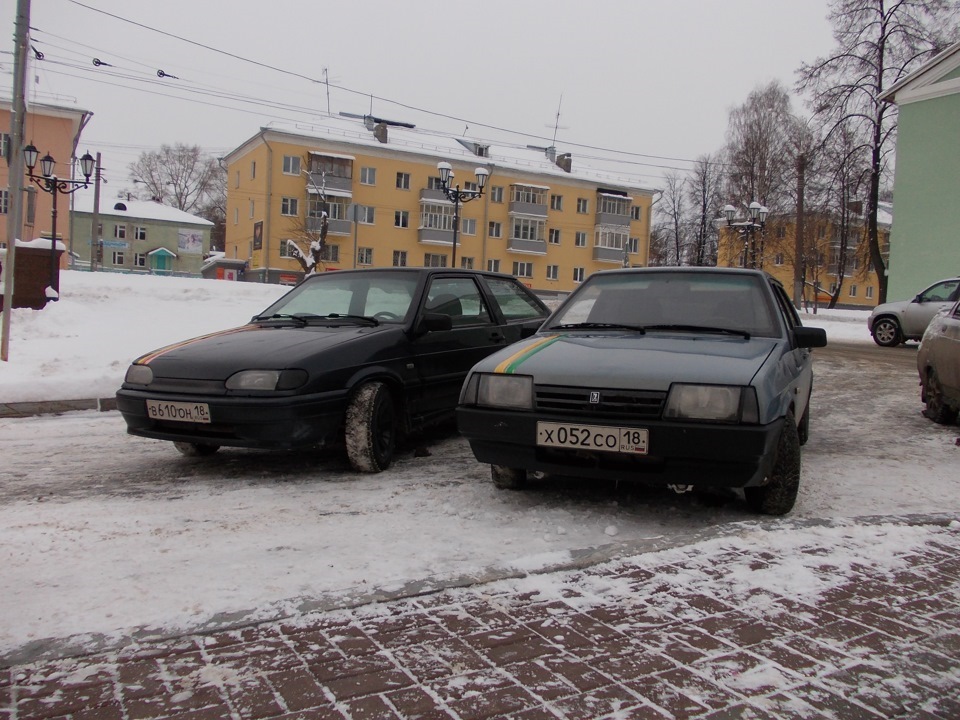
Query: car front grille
x=612, y=403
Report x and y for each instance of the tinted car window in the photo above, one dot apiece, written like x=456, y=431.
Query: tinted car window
x=514, y=301
x=733, y=302
x=459, y=298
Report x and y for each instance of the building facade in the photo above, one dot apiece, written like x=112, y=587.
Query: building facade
x=924, y=244
x=140, y=236
x=377, y=188
x=849, y=275
x=56, y=131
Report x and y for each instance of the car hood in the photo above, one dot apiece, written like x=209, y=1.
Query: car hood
x=633, y=361
x=265, y=347
x=890, y=308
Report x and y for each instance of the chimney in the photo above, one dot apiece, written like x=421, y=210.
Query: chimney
x=565, y=162
x=380, y=132
x=551, y=153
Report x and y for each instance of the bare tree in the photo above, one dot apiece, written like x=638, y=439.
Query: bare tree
x=214, y=209
x=672, y=210
x=181, y=176
x=878, y=42
x=757, y=150
x=704, y=194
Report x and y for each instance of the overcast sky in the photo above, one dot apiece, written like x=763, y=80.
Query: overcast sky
x=652, y=78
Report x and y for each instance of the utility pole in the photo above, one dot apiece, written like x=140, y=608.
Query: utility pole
x=799, y=241
x=95, y=230
x=17, y=118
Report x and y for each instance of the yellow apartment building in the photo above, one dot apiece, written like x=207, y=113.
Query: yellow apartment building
x=51, y=129
x=540, y=217
x=774, y=248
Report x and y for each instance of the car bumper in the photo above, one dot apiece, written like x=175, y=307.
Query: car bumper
x=279, y=423
x=679, y=453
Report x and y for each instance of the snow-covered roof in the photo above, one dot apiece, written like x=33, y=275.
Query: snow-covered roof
x=513, y=163
x=138, y=210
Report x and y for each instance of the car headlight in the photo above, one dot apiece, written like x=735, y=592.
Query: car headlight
x=139, y=375
x=266, y=380
x=512, y=392
x=712, y=403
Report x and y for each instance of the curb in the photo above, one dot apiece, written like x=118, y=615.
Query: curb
x=55, y=407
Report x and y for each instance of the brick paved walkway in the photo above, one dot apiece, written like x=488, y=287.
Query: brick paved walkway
x=716, y=630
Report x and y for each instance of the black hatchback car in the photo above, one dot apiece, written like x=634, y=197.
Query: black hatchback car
x=361, y=356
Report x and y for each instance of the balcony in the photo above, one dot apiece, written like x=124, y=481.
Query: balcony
x=606, y=218
x=528, y=208
x=435, y=236
x=531, y=247
x=608, y=255
x=339, y=185
x=433, y=195
x=334, y=227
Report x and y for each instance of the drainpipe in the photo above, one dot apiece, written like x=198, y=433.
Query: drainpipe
x=266, y=219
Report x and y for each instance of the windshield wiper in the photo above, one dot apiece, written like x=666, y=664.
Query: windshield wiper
x=598, y=326
x=702, y=329
x=339, y=316
x=299, y=318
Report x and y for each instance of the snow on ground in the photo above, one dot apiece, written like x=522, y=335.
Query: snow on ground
x=101, y=532
x=80, y=347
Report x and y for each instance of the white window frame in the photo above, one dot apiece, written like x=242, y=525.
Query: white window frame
x=522, y=269
x=468, y=226
x=438, y=216
x=291, y=165
x=636, y=213
x=365, y=256
x=553, y=272
x=466, y=263
x=578, y=273
x=140, y=260
x=290, y=206
x=496, y=194
x=139, y=232
x=868, y=293
x=252, y=208
x=583, y=206
x=120, y=232
x=528, y=194
x=4, y=202
x=493, y=265
x=495, y=229
x=117, y=257
x=553, y=236
x=330, y=253
x=581, y=239
x=612, y=238
x=399, y=258
x=403, y=181
x=434, y=260
x=401, y=219
x=368, y=176
x=366, y=214
x=525, y=228
x=556, y=202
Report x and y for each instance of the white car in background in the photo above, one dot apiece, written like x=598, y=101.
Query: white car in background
x=896, y=322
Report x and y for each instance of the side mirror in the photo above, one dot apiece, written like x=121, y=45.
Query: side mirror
x=918, y=298
x=433, y=322
x=810, y=337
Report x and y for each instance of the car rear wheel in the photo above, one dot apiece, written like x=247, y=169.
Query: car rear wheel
x=937, y=408
x=779, y=495
x=190, y=449
x=371, y=428
x=507, y=478
x=886, y=332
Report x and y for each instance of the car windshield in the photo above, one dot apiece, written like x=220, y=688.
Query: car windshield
x=681, y=301
x=386, y=297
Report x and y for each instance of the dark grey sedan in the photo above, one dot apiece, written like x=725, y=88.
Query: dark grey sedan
x=359, y=356
x=680, y=377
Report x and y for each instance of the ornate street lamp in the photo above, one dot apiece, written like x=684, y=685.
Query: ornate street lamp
x=48, y=182
x=458, y=196
x=757, y=214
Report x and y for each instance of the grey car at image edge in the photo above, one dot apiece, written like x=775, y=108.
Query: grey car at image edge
x=357, y=357
x=894, y=323
x=938, y=362
x=681, y=377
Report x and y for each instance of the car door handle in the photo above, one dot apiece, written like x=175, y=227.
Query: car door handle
x=496, y=336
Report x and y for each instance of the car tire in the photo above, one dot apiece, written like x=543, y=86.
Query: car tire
x=370, y=431
x=937, y=408
x=886, y=332
x=189, y=449
x=803, y=427
x=779, y=495
x=507, y=478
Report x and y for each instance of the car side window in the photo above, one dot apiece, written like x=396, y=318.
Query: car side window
x=460, y=298
x=941, y=292
x=515, y=301
x=787, y=310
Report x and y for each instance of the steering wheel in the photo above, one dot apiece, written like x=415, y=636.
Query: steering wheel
x=386, y=315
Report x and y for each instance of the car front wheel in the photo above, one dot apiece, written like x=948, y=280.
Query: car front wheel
x=507, y=478
x=779, y=495
x=190, y=449
x=371, y=428
x=886, y=332
x=937, y=408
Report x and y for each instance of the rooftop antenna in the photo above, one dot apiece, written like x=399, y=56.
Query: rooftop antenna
x=556, y=124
